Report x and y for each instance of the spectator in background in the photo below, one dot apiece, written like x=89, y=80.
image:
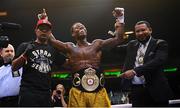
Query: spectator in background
x=9, y=81
x=57, y=97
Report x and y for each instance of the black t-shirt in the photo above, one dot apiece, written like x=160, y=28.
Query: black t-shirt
x=36, y=72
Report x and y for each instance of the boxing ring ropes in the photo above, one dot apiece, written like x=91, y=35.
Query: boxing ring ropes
x=128, y=105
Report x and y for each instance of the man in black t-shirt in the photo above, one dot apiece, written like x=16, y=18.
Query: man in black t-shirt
x=36, y=58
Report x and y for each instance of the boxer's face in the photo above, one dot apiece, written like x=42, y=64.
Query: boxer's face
x=142, y=31
x=79, y=31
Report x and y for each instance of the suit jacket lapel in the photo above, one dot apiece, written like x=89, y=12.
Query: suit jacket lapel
x=151, y=44
x=134, y=51
x=131, y=55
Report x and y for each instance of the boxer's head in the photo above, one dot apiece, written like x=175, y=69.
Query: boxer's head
x=79, y=31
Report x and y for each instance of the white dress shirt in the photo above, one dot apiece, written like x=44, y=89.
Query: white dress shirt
x=140, y=52
x=9, y=85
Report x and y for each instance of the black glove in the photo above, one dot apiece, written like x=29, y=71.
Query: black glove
x=4, y=41
x=29, y=48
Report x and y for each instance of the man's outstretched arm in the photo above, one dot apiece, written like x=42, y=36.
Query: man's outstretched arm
x=59, y=45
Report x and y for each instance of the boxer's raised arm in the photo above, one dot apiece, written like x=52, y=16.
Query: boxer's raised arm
x=118, y=35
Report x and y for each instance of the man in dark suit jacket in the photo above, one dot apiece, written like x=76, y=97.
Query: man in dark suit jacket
x=143, y=68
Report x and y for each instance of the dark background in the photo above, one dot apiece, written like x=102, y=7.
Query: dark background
x=97, y=17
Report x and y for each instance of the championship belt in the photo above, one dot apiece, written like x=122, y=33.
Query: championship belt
x=90, y=80
x=77, y=80
x=102, y=80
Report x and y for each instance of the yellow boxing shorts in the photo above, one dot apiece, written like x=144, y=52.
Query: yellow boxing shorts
x=77, y=98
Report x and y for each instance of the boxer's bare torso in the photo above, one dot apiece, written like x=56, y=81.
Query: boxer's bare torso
x=84, y=56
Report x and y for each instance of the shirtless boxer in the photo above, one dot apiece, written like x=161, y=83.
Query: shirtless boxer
x=84, y=59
